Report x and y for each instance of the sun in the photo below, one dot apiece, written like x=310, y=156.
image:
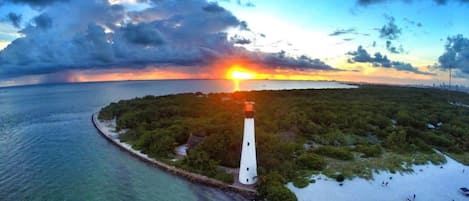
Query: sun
x=240, y=75
x=237, y=73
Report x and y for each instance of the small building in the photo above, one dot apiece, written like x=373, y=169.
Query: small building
x=193, y=141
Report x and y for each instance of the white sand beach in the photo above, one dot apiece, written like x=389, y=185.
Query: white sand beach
x=428, y=183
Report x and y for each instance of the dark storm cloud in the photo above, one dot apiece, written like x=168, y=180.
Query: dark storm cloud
x=144, y=34
x=35, y=3
x=214, y=7
x=439, y=2
x=14, y=19
x=456, y=55
x=43, y=21
x=380, y=60
x=342, y=32
x=83, y=35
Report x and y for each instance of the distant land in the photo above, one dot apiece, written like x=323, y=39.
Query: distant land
x=341, y=133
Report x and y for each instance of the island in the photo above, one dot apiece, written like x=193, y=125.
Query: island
x=340, y=133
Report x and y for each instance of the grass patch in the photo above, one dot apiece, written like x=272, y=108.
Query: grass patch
x=392, y=162
x=300, y=182
x=335, y=152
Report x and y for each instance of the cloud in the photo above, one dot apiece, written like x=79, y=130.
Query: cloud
x=342, y=32
x=214, y=7
x=380, y=60
x=412, y=22
x=394, y=49
x=444, y=2
x=348, y=31
x=281, y=60
x=456, y=55
x=14, y=19
x=143, y=34
x=390, y=31
x=80, y=35
x=35, y=3
x=369, y=2
x=43, y=21
x=438, y=2
x=248, y=4
x=237, y=39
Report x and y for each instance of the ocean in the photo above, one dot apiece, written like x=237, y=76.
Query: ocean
x=49, y=149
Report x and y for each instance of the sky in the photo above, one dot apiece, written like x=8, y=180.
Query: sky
x=377, y=41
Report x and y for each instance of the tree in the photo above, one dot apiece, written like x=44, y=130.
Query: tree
x=200, y=162
x=311, y=162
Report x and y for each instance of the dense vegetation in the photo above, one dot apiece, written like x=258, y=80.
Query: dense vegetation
x=301, y=132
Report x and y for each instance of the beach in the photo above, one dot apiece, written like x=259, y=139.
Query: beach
x=428, y=183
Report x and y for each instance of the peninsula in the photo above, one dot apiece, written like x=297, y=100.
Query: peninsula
x=341, y=133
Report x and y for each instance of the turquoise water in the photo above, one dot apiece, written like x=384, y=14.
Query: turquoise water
x=49, y=149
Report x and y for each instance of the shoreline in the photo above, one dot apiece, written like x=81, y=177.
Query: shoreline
x=424, y=181
x=193, y=177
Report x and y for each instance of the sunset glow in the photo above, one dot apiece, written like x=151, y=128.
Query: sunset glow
x=142, y=41
x=237, y=73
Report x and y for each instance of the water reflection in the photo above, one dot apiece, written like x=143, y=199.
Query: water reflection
x=236, y=85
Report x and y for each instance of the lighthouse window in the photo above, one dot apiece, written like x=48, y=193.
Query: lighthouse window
x=247, y=180
x=248, y=143
x=247, y=169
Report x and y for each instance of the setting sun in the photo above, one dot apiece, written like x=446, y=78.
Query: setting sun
x=236, y=73
x=239, y=75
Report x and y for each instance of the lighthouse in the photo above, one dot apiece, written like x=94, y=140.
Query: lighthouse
x=248, y=164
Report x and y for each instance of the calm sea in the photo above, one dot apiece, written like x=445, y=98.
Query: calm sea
x=49, y=149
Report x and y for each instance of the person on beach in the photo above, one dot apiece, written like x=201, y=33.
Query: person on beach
x=414, y=196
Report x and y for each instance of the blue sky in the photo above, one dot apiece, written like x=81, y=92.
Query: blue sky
x=386, y=41
x=438, y=21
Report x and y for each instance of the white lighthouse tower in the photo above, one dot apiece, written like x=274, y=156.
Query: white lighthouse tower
x=248, y=164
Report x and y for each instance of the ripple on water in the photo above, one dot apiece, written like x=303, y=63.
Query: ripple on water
x=49, y=149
